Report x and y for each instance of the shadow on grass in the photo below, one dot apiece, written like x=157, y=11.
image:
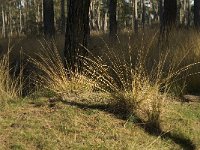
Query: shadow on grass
x=181, y=140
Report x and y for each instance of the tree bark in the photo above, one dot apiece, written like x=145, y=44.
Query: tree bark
x=105, y=21
x=48, y=13
x=92, y=19
x=160, y=11
x=169, y=14
x=113, y=19
x=135, y=16
x=3, y=23
x=188, y=12
x=62, y=15
x=20, y=19
x=143, y=14
x=77, y=33
x=10, y=22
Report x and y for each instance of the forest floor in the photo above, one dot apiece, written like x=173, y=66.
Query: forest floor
x=87, y=122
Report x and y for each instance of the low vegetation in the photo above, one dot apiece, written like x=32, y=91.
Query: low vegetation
x=126, y=93
x=53, y=75
x=10, y=87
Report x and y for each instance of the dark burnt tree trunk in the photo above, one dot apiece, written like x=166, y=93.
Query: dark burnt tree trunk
x=48, y=10
x=160, y=6
x=169, y=15
x=188, y=12
x=113, y=19
x=62, y=16
x=197, y=13
x=143, y=14
x=77, y=33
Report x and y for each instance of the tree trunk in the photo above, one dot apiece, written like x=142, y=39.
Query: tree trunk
x=169, y=14
x=98, y=16
x=10, y=22
x=188, y=13
x=161, y=11
x=143, y=14
x=113, y=19
x=197, y=14
x=26, y=17
x=181, y=12
x=77, y=33
x=62, y=16
x=3, y=23
x=92, y=19
x=20, y=22
x=105, y=21
x=48, y=13
x=135, y=15
x=184, y=14
x=20, y=19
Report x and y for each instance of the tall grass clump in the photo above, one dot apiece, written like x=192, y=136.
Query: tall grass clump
x=185, y=50
x=53, y=75
x=138, y=76
x=10, y=87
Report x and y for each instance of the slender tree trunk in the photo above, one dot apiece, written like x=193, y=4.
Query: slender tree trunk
x=38, y=18
x=20, y=22
x=10, y=23
x=62, y=17
x=20, y=19
x=42, y=11
x=33, y=17
x=181, y=11
x=161, y=12
x=143, y=14
x=26, y=17
x=184, y=18
x=135, y=15
x=188, y=13
x=3, y=25
x=197, y=14
x=113, y=19
x=48, y=11
x=77, y=33
x=105, y=21
x=91, y=23
x=6, y=19
x=99, y=18
x=169, y=14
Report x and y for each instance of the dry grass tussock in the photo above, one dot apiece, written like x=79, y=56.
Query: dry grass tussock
x=141, y=74
x=185, y=51
x=53, y=75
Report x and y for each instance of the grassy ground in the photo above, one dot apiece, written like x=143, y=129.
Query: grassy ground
x=88, y=123
x=137, y=110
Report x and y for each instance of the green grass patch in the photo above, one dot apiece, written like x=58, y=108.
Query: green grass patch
x=71, y=126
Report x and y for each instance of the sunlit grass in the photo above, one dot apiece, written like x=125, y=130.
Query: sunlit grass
x=138, y=74
x=30, y=126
